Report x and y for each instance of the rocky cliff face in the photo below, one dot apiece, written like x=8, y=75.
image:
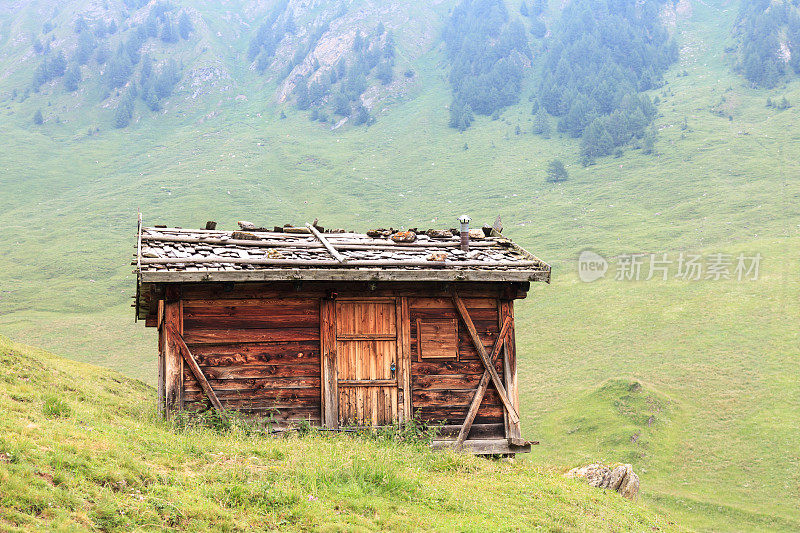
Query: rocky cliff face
x=308, y=40
x=674, y=11
x=414, y=26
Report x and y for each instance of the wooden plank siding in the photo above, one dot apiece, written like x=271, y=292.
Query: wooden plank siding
x=443, y=389
x=261, y=356
x=297, y=353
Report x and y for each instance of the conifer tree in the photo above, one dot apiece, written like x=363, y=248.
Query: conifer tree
x=341, y=104
x=166, y=79
x=72, y=78
x=124, y=111
x=102, y=54
x=169, y=33
x=57, y=66
x=100, y=29
x=86, y=46
x=80, y=24
x=601, y=55
x=301, y=95
x=361, y=116
x=541, y=124
x=185, y=26
x=486, y=47
x=556, y=171
x=649, y=143
x=384, y=73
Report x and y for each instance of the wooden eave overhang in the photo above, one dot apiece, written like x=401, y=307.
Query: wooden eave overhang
x=340, y=274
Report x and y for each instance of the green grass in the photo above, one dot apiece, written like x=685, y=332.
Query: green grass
x=719, y=358
x=101, y=461
x=715, y=361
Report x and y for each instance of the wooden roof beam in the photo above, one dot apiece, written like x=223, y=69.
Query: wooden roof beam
x=328, y=246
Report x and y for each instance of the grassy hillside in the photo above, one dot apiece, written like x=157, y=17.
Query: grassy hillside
x=693, y=381
x=717, y=358
x=81, y=450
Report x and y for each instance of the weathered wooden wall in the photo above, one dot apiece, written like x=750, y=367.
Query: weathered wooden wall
x=259, y=346
x=260, y=355
x=443, y=389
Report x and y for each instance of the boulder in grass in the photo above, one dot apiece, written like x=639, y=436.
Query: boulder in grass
x=629, y=488
x=595, y=474
x=620, y=478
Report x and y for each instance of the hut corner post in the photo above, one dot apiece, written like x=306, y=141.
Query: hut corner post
x=172, y=324
x=161, y=348
x=138, y=266
x=513, y=429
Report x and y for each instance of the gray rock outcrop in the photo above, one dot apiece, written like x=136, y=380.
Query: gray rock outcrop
x=620, y=478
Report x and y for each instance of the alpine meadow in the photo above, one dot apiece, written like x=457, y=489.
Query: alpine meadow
x=653, y=142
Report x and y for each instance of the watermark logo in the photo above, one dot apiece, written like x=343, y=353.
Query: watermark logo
x=591, y=266
x=663, y=266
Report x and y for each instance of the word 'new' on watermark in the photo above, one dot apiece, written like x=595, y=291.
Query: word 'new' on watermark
x=663, y=266
x=591, y=266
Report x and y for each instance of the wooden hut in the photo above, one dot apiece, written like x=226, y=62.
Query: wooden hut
x=338, y=328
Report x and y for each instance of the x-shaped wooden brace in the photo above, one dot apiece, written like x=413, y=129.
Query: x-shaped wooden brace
x=196, y=370
x=490, y=372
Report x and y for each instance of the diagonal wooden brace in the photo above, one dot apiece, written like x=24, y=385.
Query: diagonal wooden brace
x=487, y=363
x=483, y=385
x=196, y=370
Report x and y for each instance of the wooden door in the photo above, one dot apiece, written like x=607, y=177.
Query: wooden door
x=366, y=352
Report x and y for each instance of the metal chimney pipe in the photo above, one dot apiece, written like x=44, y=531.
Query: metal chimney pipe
x=464, y=220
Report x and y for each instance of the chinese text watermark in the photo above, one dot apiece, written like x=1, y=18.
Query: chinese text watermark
x=663, y=266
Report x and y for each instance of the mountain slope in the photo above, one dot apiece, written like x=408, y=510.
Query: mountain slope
x=692, y=381
x=80, y=450
x=721, y=180
x=85, y=62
